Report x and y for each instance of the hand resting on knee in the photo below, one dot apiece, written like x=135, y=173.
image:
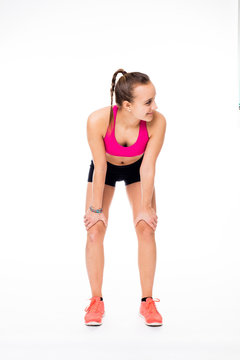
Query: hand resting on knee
x=90, y=218
x=149, y=215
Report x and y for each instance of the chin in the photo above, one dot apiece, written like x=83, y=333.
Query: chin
x=149, y=117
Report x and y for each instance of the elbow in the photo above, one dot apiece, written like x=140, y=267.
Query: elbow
x=147, y=171
x=147, y=175
x=100, y=167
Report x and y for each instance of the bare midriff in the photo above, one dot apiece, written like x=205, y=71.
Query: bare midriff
x=119, y=160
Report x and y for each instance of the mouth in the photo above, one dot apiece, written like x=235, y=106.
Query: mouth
x=149, y=113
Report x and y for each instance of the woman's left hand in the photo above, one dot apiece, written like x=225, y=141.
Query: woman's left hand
x=149, y=215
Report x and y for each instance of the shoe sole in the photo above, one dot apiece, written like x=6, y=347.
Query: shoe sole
x=150, y=324
x=94, y=323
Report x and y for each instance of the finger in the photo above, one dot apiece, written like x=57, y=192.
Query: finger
x=103, y=221
x=87, y=223
x=89, y=226
x=153, y=224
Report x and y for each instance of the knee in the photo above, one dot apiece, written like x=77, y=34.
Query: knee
x=96, y=232
x=143, y=228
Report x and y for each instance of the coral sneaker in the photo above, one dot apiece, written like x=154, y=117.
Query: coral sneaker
x=95, y=311
x=149, y=312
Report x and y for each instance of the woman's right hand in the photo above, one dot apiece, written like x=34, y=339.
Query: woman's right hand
x=90, y=218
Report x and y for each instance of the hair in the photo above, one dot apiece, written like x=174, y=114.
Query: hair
x=125, y=87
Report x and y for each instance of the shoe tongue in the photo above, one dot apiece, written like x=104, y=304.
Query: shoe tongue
x=149, y=299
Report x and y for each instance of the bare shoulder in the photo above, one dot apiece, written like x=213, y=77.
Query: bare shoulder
x=99, y=119
x=157, y=124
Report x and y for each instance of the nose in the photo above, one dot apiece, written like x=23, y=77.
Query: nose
x=155, y=106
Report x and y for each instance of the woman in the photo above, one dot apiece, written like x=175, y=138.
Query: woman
x=125, y=141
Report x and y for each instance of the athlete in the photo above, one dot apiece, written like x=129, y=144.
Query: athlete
x=125, y=141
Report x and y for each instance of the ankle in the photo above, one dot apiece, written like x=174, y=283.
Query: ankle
x=101, y=298
x=145, y=298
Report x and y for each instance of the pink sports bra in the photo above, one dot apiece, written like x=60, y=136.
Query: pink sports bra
x=112, y=147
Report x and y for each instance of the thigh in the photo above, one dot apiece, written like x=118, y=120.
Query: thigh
x=132, y=172
x=134, y=196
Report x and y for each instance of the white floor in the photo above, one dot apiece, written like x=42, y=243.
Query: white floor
x=123, y=335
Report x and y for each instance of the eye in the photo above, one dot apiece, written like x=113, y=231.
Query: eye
x=149, y=101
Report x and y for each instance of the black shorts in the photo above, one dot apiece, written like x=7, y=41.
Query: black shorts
x=128, y=173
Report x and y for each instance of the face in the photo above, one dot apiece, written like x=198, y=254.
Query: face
x=144, y=102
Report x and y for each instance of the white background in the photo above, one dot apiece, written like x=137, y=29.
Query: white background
x=57, y=59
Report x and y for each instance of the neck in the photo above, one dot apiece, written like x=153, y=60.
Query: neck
x=126, y=119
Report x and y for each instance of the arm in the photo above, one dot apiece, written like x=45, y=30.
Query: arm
x=147, y=169
x=96, y=143
x=98, y=187
x=147, y=187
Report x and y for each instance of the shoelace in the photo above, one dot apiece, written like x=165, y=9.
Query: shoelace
x=93, y=305
x=150, y=304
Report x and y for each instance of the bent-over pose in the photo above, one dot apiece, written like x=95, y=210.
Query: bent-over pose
x=125, y=141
